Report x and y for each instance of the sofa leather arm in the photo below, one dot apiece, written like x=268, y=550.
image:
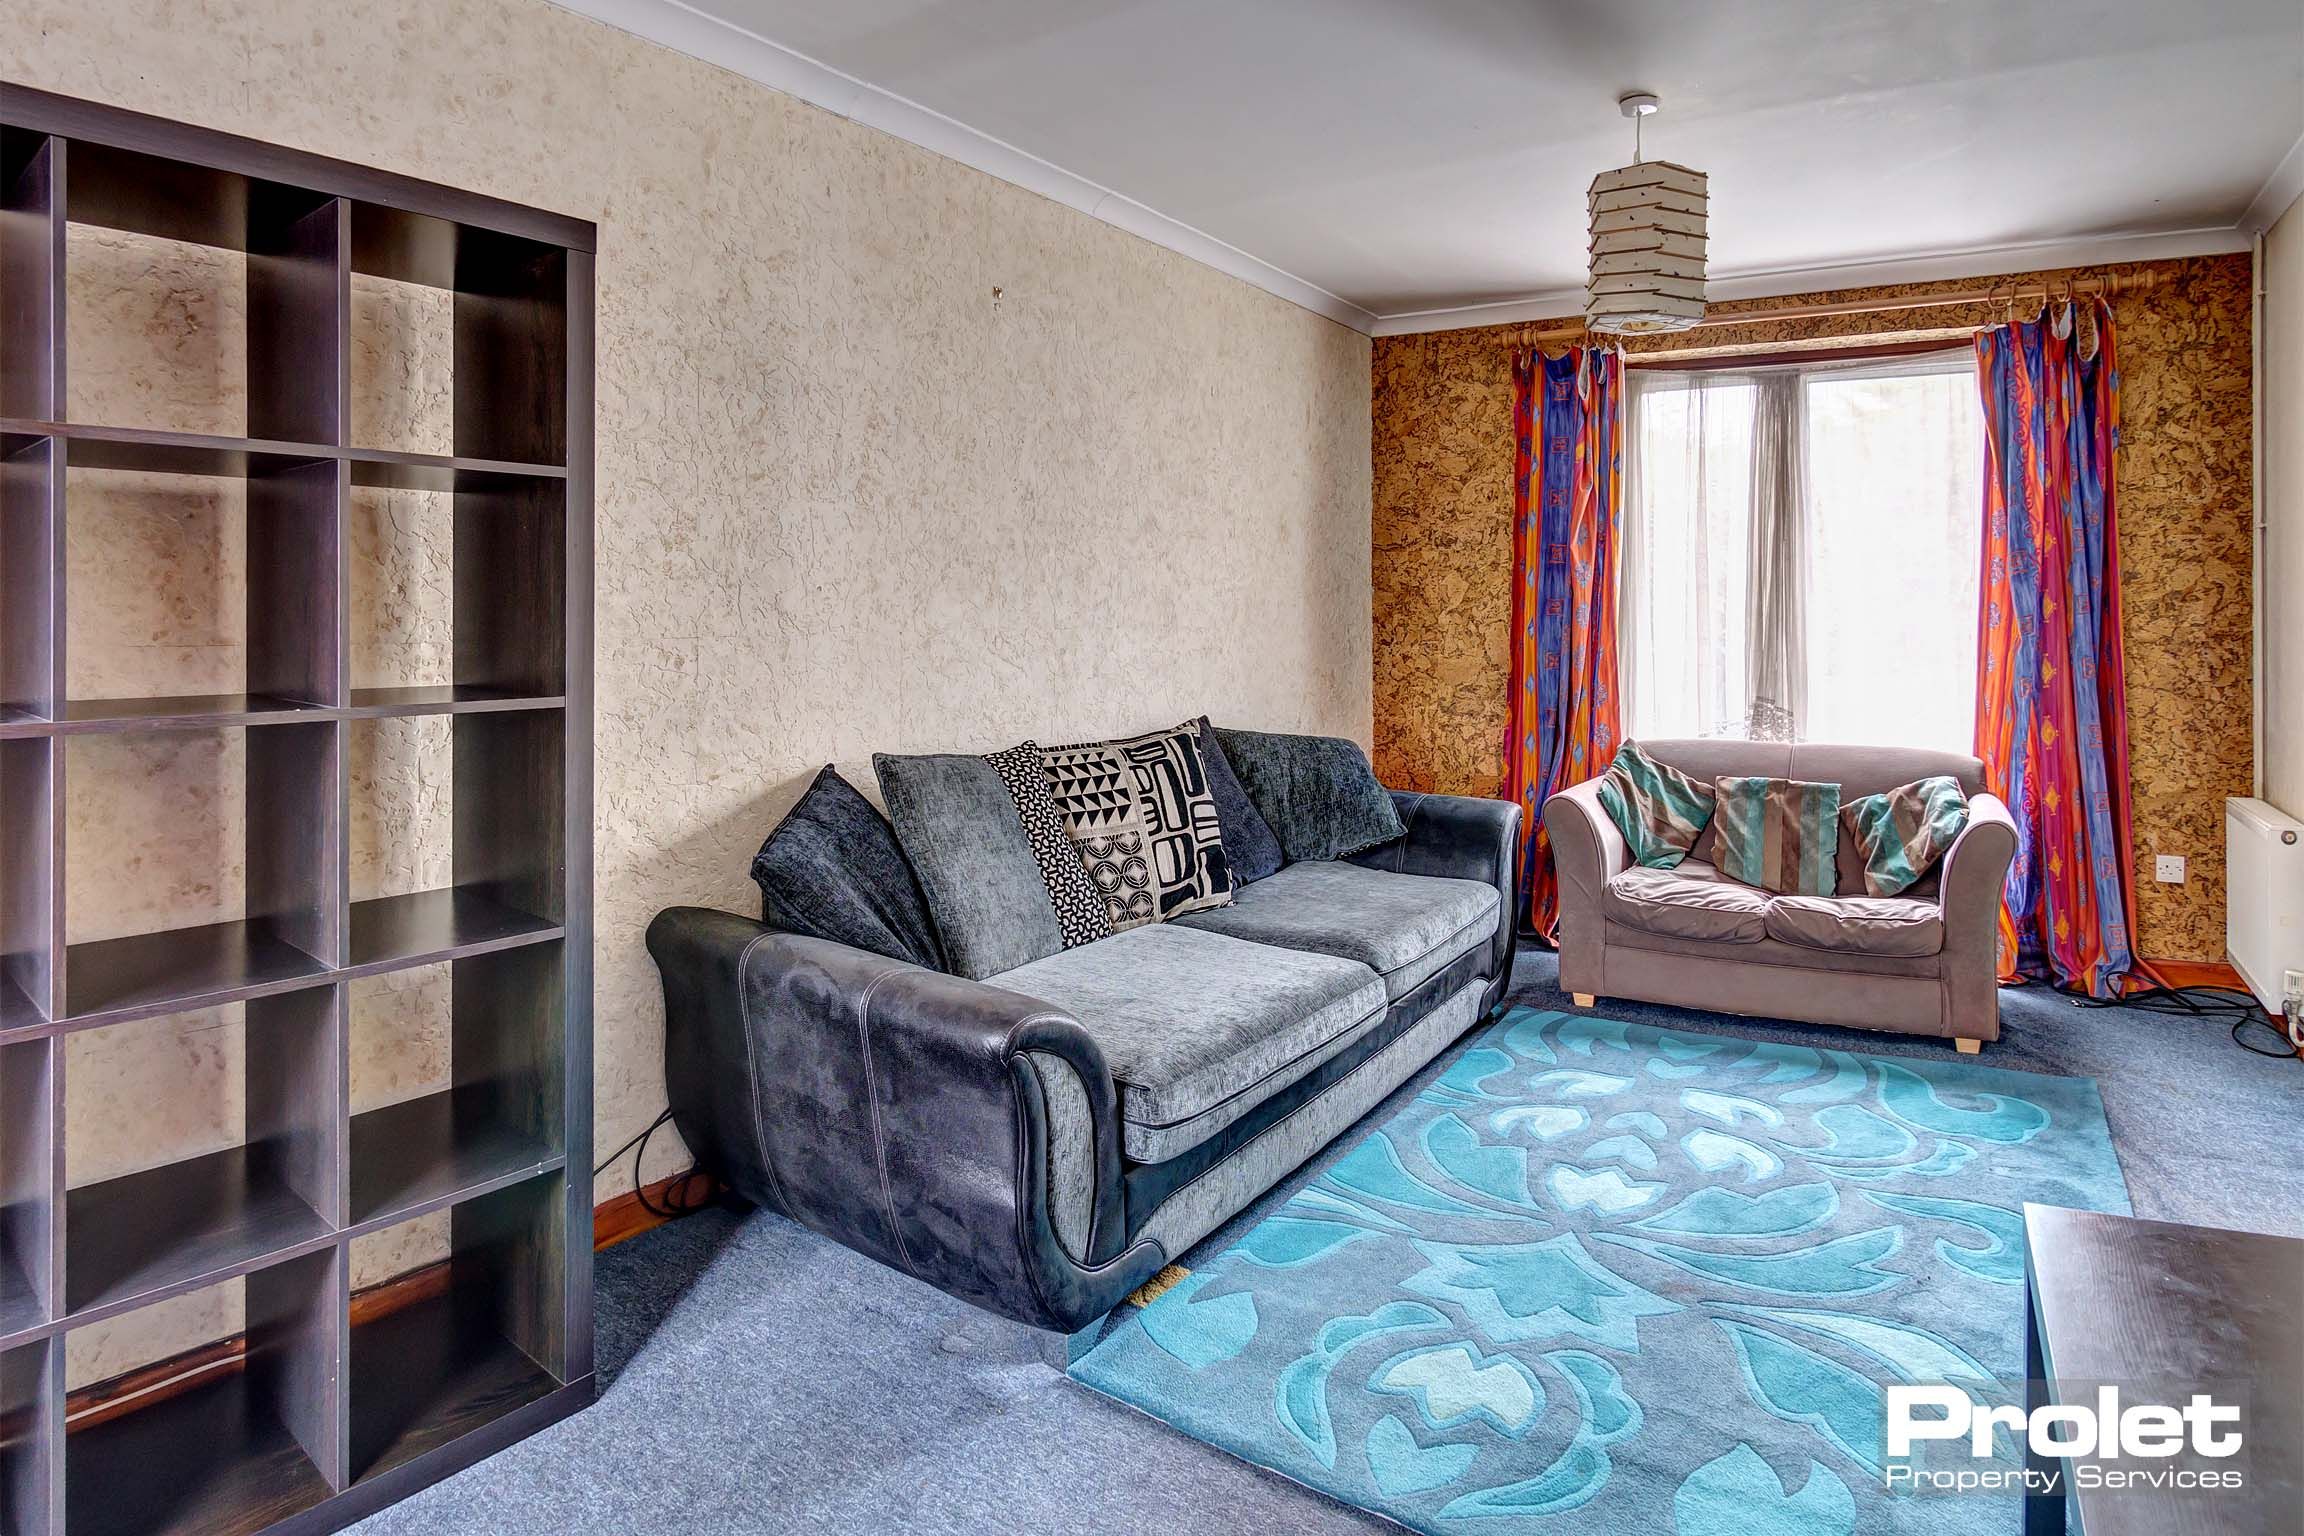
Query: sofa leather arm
x=1972, y=886
x=1587, y=852
x=897, y=1110
x=1461, y=837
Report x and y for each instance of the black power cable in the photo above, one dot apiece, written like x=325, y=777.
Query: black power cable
x=685, y=1202
x=2219, y=1003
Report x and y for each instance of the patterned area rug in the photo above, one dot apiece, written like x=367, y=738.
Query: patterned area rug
x=1604, y=1277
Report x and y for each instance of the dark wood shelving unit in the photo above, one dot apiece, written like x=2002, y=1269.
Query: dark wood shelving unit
x=325, y=1421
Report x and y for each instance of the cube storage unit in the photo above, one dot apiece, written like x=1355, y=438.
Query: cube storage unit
x=333, y=1403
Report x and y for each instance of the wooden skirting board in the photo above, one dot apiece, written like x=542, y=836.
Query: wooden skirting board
x=627, y=1215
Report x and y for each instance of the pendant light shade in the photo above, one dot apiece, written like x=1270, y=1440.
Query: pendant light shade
x=1647, y=249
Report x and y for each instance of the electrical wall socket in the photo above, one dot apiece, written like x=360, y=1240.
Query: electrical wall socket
x=2168, y=868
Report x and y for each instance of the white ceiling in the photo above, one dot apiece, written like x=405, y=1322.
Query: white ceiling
x=1384, y=159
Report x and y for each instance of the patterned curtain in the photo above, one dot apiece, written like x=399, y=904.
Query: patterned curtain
x=1567, y=495
x=2051, y=716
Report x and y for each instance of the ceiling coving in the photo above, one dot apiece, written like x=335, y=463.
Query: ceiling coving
x=1414, y=166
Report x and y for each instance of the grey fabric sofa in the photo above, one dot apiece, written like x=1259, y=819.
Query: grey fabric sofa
x=1044, y=1141
x=1922, y=963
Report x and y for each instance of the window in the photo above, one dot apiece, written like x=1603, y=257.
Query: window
x=1800, y=552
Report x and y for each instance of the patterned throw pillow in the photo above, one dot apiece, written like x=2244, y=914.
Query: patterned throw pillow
x=1141, y=814
x=1782, y=835
x=1081, y=913
x=1903, y=832
x=1095, y=792
x=1660, y=810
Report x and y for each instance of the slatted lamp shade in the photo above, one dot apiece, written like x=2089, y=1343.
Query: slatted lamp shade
x=1647, y=244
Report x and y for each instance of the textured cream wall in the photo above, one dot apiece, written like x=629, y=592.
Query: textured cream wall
x=891, y=455
x=2283, y=449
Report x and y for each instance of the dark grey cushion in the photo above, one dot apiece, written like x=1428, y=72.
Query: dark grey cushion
x=1317, y=793
x=1402, y=927
x=958, y=824
x=833, y=869
x=1199, y=1029
x=1249, y=846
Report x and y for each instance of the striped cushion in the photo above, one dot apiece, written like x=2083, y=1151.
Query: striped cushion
x=1660, y=810
x=1904, y=832
x=1781, y=835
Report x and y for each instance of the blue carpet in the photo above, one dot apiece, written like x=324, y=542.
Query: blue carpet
x=1630, y=1279
x=758, y=1379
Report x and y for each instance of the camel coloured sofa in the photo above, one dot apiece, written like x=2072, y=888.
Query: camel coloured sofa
x=1922, y=963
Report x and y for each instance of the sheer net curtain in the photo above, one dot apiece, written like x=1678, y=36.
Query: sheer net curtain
x=1801, y=551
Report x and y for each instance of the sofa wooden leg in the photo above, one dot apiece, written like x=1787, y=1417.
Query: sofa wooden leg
x=1969, y=1047
x=1583, y=999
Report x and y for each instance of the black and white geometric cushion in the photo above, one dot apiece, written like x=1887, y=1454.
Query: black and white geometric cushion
x=1081, y=915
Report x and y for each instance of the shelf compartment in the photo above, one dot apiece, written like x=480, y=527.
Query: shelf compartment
x=456, y=832
x=182, y=712
x=109, y=980
x=28, y=1122
x=389, y=469
x=275, y=1188
x=444, y=1147
x=480, y=1039
x=148, y=1235
x=444, y=699
x=481, y=1338
x=239, y=1450
x=273, y=905
x=509, y=322
x=31, y=492
x=28, y=889
x=164, y=451
x=203, y=598
x=31, y=1425
x=425, y=926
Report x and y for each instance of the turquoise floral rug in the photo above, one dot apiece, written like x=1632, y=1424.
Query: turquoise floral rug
x=1603, y=1277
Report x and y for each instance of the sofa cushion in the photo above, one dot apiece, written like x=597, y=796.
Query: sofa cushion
x=833, y=869
x=1859, y=925
x=1317, y=793
x=983, y=835
x=1782, y=835
x=1691, y=902
x=1140, y=812
x=1199, y=1028
x=1905, y=831
x=1660, y=810
x=1248, y=841
x=1402, y=927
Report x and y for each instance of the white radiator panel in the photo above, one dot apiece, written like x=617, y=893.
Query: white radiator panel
x=2263, y=895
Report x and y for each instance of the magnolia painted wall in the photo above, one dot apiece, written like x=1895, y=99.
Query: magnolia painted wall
x=2283, y=280
x=1443, y=514
x=891, y=456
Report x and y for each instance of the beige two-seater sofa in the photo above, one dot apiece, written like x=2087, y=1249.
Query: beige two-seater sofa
x=1919, y=963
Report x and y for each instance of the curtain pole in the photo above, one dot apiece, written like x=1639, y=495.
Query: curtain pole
x=2009, y=294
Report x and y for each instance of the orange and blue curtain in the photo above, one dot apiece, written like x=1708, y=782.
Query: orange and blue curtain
x=2051, y=715
x=1567, y=505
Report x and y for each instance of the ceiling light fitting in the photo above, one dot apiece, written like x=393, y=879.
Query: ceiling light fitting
x=1647, y=251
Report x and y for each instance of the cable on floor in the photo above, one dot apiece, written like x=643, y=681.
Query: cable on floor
x=2218, y=1003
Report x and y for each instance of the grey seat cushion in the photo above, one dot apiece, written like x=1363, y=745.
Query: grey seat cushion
x=1859, y=925
x=1689, y=902
x=1199, y=1029
x=1402, y=927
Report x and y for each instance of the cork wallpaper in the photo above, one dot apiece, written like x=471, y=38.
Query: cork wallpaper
x=1442, y=471
x=891, y=456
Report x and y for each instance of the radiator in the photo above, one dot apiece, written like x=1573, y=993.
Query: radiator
x=2263, y=896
